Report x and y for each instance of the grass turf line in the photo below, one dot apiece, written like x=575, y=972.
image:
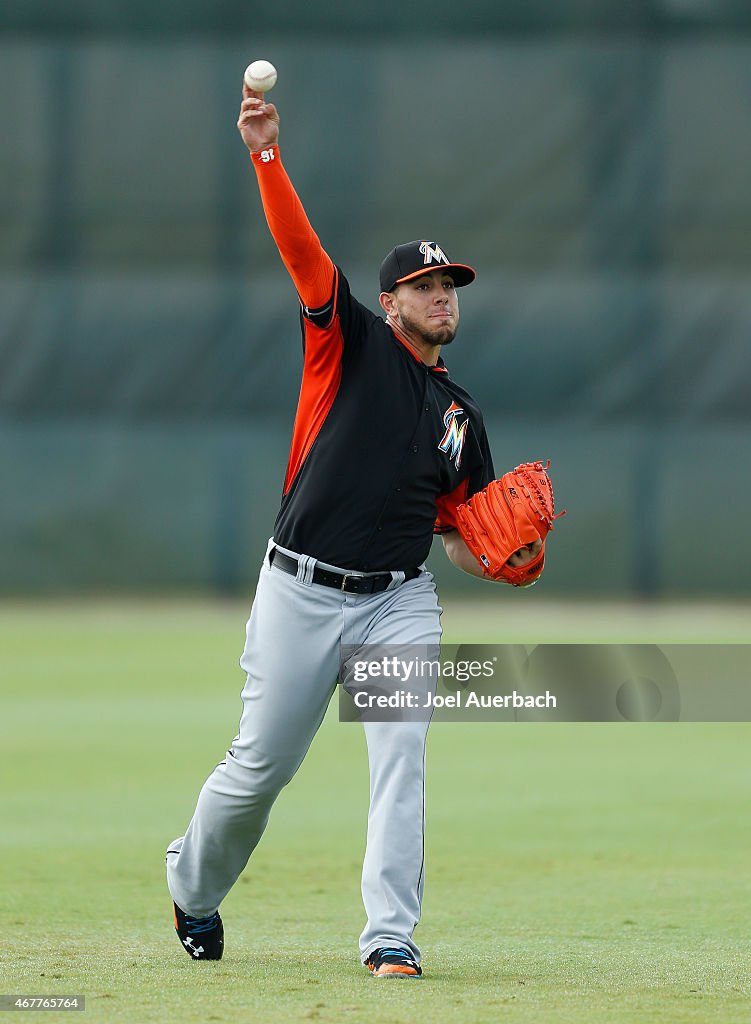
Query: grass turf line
x=574, y=872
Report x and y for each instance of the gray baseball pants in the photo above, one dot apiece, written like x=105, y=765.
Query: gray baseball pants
x=292, y=660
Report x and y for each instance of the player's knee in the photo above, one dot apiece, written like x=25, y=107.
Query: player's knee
x=259, y=775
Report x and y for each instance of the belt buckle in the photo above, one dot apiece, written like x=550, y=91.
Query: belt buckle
x=350, y=576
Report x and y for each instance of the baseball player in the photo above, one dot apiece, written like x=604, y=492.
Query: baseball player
x=386, y=449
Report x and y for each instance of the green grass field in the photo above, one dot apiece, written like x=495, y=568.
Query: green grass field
x=575, y=873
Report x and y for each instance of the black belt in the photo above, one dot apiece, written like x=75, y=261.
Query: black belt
x=349, y=582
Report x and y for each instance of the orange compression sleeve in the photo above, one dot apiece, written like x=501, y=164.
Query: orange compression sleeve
x=308, y=263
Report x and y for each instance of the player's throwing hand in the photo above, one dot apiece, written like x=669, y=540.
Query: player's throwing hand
x=258, y=123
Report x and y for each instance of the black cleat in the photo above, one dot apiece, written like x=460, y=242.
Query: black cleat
x=393, y=963
x=202, y=937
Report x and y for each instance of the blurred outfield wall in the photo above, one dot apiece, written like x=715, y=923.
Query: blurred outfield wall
x=149, y=338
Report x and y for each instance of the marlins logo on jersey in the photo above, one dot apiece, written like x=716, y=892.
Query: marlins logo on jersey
x=453, y=439
x=431, y=251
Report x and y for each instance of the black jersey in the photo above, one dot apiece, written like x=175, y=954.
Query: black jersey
x=383, y=449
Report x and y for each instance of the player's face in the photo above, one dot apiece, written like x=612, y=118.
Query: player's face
x=429, y=307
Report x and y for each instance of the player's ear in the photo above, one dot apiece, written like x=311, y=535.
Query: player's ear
x=388, y=302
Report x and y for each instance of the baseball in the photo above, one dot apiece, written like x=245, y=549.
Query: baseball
x=260, y=76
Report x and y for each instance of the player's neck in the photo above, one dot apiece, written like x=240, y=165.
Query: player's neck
x=422, y=349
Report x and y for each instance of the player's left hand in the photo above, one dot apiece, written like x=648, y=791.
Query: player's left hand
x=525, y=554
x=506, y=524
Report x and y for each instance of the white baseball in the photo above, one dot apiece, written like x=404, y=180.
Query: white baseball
x=260, y=76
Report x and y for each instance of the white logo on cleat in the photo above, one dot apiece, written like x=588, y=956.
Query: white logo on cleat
x=195, y=950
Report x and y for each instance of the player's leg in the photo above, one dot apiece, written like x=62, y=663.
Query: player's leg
x=393, y=868
x=393, y=876
x=291, y=660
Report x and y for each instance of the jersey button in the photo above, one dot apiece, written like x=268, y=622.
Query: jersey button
x=427, y=408
x=415, y=448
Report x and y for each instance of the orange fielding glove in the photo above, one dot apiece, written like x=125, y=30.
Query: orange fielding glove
x=510, y=513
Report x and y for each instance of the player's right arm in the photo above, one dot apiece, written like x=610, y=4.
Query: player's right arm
x=309, y=265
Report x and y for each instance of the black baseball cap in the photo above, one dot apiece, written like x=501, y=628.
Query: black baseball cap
x=411, y=259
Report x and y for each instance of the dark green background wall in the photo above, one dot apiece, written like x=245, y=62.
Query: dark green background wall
x=594, y=168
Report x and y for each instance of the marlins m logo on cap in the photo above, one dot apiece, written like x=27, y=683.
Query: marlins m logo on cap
x=432, y=251
x=411, y=259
